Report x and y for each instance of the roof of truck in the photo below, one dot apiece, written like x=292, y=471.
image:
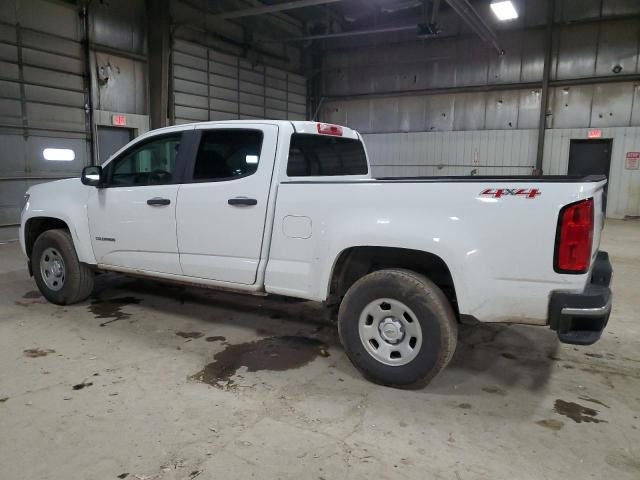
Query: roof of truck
x=305, y=126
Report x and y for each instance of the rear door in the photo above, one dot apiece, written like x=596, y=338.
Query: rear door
x=222, y=205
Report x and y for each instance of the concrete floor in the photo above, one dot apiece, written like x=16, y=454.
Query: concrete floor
x=514, y=403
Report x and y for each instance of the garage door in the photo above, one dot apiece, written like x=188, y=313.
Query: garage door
x=43, y=123
x=210, y=85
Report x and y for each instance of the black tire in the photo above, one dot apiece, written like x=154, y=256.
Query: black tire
x=433, y=311
x=78, y=278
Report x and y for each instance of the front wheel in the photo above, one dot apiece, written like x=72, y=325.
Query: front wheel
x=60, y=276
x=397, y=328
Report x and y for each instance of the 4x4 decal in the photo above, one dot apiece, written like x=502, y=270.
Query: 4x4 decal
x=503, y=192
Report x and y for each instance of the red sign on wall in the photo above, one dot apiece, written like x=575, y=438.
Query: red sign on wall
x=119, y=120
x=633, y=161
x=595, y=133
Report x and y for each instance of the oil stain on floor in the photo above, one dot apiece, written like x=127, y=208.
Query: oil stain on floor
x=82, y=385
x=190, y=334
x=37, y=352
x=111, y=309
x=551, y=424
x=576, y=412
x=593, y=400
x=275, y=354
x=217, y=338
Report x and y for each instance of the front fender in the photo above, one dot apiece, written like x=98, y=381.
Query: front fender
x=65, y=200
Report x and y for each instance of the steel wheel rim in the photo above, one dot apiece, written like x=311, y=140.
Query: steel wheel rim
x=52, y=269
x=390, y=332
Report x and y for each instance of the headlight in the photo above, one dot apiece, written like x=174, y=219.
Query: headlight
x=26, y=200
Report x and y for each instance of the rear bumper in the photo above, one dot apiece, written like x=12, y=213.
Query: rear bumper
x=580, y=318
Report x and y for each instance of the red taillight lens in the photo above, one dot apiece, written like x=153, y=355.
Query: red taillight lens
x=328, y=129
x=574, y=237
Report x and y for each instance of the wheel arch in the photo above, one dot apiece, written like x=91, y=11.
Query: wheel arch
x=36, y=226
x=354, y=262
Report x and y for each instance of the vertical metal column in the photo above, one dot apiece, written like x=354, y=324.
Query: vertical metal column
x=158, y=35
x=91, y=137
x=544, y=100
x=23, y=95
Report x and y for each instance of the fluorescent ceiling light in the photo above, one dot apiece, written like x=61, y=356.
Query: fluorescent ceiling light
x=59, y=154
x=504, y=10
x=251, y=159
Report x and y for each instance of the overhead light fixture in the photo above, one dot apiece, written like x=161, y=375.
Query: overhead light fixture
x=504, y=10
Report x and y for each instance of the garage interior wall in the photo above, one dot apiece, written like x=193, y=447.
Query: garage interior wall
x=43, y=94
x=217, y=79
x=449, y=105
x=49, y=66
x=212, y=85
x=118, y=58
x=454, y=106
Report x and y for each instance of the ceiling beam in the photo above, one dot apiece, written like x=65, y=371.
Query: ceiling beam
x=280, y=7
x=472, y=18
x=282, y=22
x=350, y=33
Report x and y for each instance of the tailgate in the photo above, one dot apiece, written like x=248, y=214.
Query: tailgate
x=599, y=203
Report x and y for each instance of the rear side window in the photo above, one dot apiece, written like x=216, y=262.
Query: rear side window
x=227, y=154
x=320, y=155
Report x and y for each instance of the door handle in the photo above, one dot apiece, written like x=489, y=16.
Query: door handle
x=242, y=201
x=157, y=201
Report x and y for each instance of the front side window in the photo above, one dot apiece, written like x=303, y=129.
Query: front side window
x=227, y=154
x=150, y=163
x=321, y=155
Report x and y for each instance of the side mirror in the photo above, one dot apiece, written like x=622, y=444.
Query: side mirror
x=92, y=175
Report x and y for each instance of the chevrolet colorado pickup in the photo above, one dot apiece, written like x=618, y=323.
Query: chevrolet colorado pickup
x=290, y=208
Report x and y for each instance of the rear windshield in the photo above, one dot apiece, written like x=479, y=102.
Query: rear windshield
x=320, y=155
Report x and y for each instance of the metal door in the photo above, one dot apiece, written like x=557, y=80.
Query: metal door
x=110, y=140
x=591, y=157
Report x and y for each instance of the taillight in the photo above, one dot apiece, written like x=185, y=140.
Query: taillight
x=574, y=238
x=328, y=129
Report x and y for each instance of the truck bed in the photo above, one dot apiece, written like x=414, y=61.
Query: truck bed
x=471, y=179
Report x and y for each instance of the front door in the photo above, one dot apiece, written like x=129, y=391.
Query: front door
x=222, y=205
x=132, y=218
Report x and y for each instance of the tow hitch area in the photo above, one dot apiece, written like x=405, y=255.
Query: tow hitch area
x=580, y=318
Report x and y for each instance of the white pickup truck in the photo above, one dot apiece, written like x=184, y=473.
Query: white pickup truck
x=291, y=208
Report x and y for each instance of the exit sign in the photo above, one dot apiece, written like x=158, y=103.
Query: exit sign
x=595, y=133
x=119, y=120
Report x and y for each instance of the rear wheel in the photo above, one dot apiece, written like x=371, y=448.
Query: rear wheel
x=397, y=328
x=60, y=276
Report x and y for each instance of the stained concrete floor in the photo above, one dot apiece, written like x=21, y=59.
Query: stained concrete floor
x=116, y=388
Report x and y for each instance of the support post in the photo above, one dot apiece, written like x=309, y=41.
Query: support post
x=544, y=96
x=159, y=48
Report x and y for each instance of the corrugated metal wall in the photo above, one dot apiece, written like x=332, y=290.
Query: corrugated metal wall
x=484, y=152
x=501, y=152
x=119, y=56
x=603, y=105
x=624, y=185
x=399, y=88
x=43, y=94
x=452, y=106
x=211, y=85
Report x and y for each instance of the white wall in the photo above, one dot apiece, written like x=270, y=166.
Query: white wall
x=624, y=185
x=503, y=152
x=490, y=152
